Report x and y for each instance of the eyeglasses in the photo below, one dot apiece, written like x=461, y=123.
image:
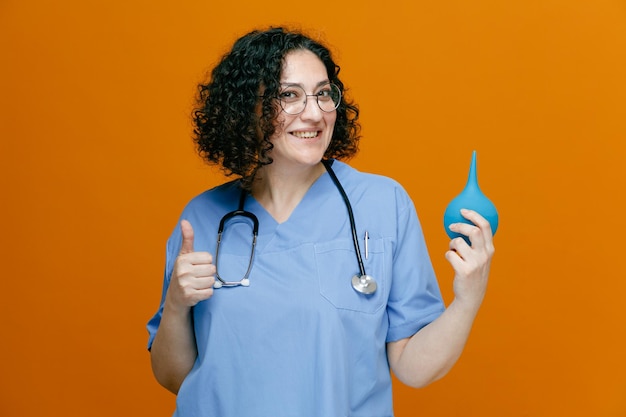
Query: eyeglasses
x=293, y=98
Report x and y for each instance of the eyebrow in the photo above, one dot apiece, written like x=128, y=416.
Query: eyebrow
x=319, y=84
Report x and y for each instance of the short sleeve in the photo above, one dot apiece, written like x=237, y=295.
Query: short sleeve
x=173, y=243
x=415, y=298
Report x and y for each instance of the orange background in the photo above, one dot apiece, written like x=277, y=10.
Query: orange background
x=97, y=163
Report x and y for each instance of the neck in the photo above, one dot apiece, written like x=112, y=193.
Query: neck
x=279, y=191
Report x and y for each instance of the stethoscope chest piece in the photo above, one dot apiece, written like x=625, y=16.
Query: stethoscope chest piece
x=364, y=284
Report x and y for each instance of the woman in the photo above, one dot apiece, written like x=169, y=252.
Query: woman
x=276, y=328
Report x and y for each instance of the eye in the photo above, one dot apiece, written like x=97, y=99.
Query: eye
x=290, y=95
x=328, y=92
x=324, y=92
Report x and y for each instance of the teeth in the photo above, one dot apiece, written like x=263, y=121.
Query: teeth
x=305, y=135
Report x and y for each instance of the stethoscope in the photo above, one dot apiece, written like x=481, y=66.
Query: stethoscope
x=361, y=282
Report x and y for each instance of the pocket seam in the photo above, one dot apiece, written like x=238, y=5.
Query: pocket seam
x=374, y=266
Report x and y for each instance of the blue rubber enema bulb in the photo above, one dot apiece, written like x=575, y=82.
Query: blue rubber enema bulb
x=470, y=198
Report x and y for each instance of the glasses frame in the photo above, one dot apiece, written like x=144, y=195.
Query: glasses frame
x=306, y=97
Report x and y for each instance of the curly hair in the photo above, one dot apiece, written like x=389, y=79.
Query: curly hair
x=227, y=129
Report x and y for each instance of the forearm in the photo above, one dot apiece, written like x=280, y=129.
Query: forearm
x=174, y=350
x=430, y=353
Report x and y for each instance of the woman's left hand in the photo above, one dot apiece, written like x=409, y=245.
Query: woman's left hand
x=471, y=264
x=432, y=351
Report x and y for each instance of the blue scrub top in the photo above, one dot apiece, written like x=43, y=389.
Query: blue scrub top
x=300, y=341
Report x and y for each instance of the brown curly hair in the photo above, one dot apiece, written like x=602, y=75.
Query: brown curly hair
x=228, y=131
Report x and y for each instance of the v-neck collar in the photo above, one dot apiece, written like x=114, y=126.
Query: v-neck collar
x=270, y=223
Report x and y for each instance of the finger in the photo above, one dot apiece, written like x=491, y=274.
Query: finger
x=454, y=259
x=196, y=296
x=203, y=270
x=480, y=222
x=204, y=294
x=459, y=247
x=197, y=258
x=187, y=232
x=485, y=237
x=473, y=233
x=202, y=283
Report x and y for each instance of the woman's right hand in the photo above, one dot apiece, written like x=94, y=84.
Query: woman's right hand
x=193, y=275
x=174, y=348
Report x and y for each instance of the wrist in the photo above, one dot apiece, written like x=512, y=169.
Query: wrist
x=171, y=308
x=465, y=307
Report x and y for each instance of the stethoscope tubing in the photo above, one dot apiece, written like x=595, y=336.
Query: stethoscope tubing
x=355, y=238
x=255, y=232
x=362, y=283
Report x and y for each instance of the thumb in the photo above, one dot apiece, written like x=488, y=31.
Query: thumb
x=187, y=231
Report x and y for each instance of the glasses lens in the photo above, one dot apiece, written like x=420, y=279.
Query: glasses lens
x=293, y=98
x=328, y=97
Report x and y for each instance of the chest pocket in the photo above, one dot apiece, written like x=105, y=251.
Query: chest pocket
x=337, y=264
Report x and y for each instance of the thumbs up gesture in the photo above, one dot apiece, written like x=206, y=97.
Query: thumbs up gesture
x=193, y=275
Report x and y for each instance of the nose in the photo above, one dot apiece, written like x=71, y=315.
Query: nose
x=312, y=110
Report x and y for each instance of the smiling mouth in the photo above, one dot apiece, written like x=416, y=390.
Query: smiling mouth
x=305, y=135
